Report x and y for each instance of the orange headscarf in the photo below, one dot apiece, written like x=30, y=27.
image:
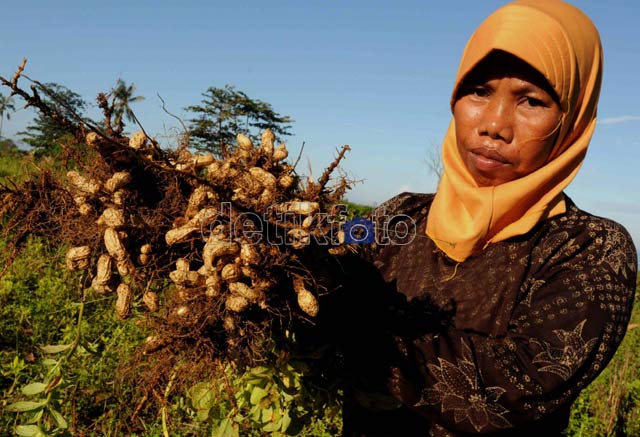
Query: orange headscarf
x=562, y=43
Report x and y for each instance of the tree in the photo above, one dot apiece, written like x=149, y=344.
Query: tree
x=6, y=105
x=433, y=159
x=225, y=112
x=44, y=133
x=121, y=97
x=9, y=148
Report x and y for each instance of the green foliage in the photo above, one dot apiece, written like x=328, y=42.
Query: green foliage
x=59, y=349
x=10, y=160
x=6, y=107
x=9, y=149
x=265, y=400
x=356, y=209
x=18, y=165
x=44, y=134
x=225, y=112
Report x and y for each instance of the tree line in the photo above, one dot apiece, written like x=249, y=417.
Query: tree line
x=213, y=126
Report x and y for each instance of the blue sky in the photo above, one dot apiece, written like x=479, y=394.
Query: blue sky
x=372, y=74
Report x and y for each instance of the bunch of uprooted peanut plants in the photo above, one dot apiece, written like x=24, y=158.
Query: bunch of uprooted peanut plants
x=218, y=256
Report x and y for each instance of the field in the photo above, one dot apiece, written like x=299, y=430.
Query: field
x=65, y=359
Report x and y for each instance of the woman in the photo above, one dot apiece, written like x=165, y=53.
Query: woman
x=532, y=294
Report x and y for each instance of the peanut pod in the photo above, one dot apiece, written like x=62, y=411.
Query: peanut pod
x=196, y=201
x=179, y=235
x=151, y=300
x=182, y=265
x=138, y=140
x=117, y=181
x=280, y=153
x=216, y=249
x=298, y=238
x=252, y=294
x=185, y=279
x=244, y=143
x=125, y=267
x=306, y=300
x=111, y=217
x=123, y=303
x=231, y=273
x=103, y=274
x=266, y=143
x=85, y=209
x=78, y=258
x=264, y=178
x=114, y=245
x=299, y=207
x=236, y=303
x=249, y=254
x=286, y=181
x=83, y=184
x=213, y=285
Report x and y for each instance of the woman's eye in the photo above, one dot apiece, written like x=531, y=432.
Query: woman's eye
x=532, y=101
x=479, y=92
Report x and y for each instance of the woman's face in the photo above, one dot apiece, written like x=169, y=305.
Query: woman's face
x=507, y=118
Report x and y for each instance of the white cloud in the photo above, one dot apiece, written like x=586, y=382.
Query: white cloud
x=620, y=119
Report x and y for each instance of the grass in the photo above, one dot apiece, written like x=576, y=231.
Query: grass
x=9, y=167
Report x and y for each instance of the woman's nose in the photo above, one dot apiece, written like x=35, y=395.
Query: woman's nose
x=497, y=119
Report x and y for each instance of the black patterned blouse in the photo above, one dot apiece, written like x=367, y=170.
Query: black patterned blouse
x=500, y=343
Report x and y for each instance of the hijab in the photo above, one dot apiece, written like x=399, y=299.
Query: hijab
x=562, y=43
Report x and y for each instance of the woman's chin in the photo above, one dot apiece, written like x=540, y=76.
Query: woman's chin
x=487, y=174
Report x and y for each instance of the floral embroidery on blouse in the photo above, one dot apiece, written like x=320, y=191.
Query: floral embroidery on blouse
x=532, y=285
x=618, y=254
x=458, y=389
x=563, y=361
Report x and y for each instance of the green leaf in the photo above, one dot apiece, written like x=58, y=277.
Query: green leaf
x=257, y=394
x=226, y=428
x=255, y=413
x=267, y=415
x=35, y=417
x=260, y=370
x=55, y=348
x=286, y=396
x=258, y=375
x=241, y=402
x=271, y=427
x=21, y=407
x=27, y=430
x=33, y=388
x=202, y=415
x=59, y=418
x=53, y=384
x=286, y=421
x=201, y=396
x=49, y=362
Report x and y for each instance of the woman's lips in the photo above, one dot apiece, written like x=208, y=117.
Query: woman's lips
x=486, y=160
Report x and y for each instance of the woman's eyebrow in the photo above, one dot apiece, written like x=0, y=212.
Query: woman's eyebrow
x=528, y=87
